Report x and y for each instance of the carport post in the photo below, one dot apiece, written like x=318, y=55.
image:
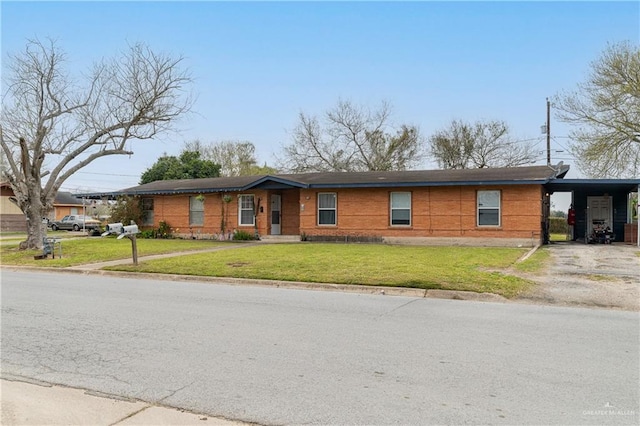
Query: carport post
x=638, y=210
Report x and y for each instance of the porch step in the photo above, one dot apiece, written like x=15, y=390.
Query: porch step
x=280, y=238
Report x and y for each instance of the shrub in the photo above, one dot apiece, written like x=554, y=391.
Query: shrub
x=148, y=233
x=164, y=230
x=242, y=236
x=558, y=225
x=126, y=209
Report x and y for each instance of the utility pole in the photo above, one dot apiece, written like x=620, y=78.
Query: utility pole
x=548, y=132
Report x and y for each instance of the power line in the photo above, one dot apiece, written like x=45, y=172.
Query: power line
x=107, y=174
x=561, y=146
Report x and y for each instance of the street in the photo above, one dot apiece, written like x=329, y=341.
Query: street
x=283, y=356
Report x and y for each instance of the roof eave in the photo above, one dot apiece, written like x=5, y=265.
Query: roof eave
x=427, y=184
x=279, y=180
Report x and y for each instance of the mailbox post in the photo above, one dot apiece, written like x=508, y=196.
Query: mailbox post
x=128, y=231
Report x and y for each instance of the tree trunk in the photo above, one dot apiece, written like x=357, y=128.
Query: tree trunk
x=34, y=210
x=36, y=231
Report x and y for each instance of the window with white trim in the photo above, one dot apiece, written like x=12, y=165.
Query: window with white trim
x=400, y=208
x=246, y=216
x=488, y=208
x=327, y=208
x=196, y=211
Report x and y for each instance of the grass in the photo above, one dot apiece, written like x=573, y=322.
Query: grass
x=14, y=238
x=557, y=237
x=599, y=277
x=95, y=249
x=452, y=268
x=536, y=262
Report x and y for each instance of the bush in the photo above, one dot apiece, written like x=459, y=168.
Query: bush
x=243, y=236
x=558, y=225
x=164, y=230
x=126, y=209
x=148, y=233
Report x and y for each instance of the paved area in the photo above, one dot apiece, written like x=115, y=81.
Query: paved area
x=278, y=356
x=606, y=276
x=594, y=275
x=36, y=403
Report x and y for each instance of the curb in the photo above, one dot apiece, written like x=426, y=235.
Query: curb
x=293, y=285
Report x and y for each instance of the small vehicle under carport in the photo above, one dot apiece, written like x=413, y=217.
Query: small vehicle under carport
x=75, y=222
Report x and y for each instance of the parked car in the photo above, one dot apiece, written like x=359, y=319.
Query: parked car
x=76, y=222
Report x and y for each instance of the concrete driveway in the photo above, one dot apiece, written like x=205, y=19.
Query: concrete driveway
x=603, y=275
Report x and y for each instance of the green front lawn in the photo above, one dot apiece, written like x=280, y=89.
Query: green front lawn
x=95, y=249
x=453, y=268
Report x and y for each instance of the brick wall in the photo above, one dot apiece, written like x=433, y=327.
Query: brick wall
x=290, y=209
x=443, y=212
x=174, y=209
x=436, y=212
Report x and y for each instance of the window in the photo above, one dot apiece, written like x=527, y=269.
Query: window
x=400, y=208
x=327, y=209
x=488, y=208
x=196, y=211
x=245, y=210
x=147, y=211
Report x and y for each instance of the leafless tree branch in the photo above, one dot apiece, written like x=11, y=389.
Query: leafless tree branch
x=605, y=110
x=351, y=138
x=482, y=144
x=57, y=125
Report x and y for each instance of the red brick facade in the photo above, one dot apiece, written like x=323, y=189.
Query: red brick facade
x=435, y=212
x=438, y=211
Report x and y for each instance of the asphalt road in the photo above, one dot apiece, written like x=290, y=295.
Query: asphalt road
x=282, y=356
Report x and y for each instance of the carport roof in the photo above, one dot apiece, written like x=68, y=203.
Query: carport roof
x=596, y=185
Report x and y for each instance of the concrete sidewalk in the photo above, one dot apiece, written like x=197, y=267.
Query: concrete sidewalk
x=35, y=403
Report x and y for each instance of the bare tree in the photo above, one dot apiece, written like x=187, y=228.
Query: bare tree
x=352, y=138
x=606, y=110
x=51, y=127
x=479, y=145
x=236, y=158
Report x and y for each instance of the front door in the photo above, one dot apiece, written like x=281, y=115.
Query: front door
x=275, y=214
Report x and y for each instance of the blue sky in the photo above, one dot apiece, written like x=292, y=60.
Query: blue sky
x=258, y=64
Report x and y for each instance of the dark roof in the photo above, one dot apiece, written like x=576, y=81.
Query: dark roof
x=62, y=198
x=597, y=185
x=499, y=176
x=508, y=175
x=66, y=199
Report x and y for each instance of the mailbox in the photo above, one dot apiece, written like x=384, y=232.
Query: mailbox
x=128, y=230
x=114, y=228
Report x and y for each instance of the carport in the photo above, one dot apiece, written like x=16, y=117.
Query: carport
x=609, y=203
